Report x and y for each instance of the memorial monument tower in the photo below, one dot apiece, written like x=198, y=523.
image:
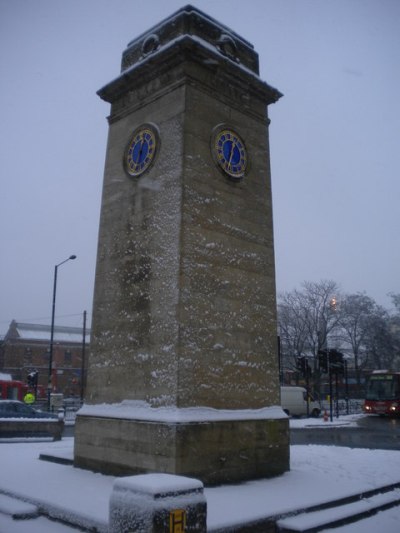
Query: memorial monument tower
x=183, y=369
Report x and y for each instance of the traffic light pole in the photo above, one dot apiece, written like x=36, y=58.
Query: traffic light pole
x=50, y=372
x=346, y=377
x=83, y=357
x=330, y=386
x=32, y=379
x=337, y=394
x=53, y=308
x=308, y=389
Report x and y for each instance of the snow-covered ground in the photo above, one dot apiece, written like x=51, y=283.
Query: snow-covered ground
x=347, y=420
x=318, y=474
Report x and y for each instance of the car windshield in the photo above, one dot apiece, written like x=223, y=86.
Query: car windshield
x=23, y=410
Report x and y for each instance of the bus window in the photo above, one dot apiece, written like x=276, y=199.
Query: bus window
x=383, y=394
x=382, y=387
x=12, y=393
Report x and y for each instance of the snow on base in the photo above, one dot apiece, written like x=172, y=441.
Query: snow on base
x=156, y=484
x=136, y=500
x=140, y=410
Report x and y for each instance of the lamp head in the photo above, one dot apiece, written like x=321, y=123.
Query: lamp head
x=72, y=257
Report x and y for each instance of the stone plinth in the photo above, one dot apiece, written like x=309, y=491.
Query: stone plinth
x=214, y=446
x=156, y=503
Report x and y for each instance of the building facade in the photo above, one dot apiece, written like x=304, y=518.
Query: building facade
x=25, y=348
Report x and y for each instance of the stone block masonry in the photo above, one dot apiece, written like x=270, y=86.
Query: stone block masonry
x=184, y=313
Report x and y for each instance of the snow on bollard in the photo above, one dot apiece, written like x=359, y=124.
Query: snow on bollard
x=157, y=503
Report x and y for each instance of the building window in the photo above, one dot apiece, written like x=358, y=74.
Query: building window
x=68, y=357
x=28, y=356
x=46, y=356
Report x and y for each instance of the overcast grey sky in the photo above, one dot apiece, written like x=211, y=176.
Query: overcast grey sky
x=334, y=137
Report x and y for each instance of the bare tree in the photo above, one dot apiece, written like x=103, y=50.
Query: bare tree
x=318, y=317
x=396, y=302
x=306, y=318
x=381, y=341
x=292, y=328
x=356, y=313
x=372, y=334
x=320, y=307
x=395, y=329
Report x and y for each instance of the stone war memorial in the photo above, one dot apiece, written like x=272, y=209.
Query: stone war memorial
x=183, y=375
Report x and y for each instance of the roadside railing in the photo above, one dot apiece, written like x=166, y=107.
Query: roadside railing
x=345, y=407
x=71, y=406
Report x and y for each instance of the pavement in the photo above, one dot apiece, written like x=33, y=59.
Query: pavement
x=82, y=503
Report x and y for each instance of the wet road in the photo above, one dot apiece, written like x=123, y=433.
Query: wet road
x=381, y=432
x=372, y=432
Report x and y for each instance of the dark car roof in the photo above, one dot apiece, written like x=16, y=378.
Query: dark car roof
x=35, y=412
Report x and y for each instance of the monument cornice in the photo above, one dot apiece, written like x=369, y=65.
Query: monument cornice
x=174, y=58
x=189, y=20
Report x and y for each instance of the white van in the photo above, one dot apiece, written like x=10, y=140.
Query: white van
x=294, y=402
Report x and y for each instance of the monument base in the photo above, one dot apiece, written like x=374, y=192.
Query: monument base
x=156, y=503
x=215, y=451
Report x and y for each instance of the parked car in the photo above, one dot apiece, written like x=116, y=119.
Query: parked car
x=17, y=409
x=18, y=420
x=294, y=402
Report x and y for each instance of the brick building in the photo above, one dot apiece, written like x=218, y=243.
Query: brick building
x=26, y=347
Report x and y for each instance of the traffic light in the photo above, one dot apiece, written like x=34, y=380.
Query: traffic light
x=323, y=361
x=336, y=361
x=32, y=378
x=331, y=360
x=302, y=365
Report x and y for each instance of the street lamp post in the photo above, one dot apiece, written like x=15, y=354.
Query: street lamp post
x=49, y=384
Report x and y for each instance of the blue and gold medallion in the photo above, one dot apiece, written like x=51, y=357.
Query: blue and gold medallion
x=141, y=151
x=230, y=153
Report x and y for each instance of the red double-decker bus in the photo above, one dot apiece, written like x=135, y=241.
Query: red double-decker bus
x=12, y=389
x=383, y=393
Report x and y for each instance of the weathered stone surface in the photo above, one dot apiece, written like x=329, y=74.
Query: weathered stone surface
x=184, y=308
x=215, y=452
x=185, y=270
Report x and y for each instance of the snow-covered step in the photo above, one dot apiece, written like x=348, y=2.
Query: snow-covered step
x=17, y=508
x=316, y=520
